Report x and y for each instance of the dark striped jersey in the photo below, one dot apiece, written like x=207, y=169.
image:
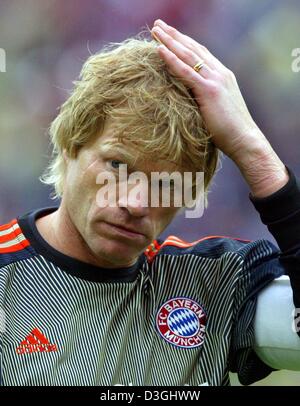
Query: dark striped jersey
x=182, y=315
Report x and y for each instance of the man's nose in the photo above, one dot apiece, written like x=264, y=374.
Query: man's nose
x=135, y=201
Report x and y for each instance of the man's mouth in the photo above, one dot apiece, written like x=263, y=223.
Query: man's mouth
x=124, y=231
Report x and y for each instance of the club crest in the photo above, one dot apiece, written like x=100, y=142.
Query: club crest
x=181, y=322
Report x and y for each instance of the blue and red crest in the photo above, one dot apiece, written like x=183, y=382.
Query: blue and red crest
x=181, y=322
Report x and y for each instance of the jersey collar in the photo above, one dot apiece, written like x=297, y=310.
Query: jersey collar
x=71, y=265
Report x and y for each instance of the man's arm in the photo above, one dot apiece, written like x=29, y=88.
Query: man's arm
x=275, y=191
x=276, y=341
x=223, y=109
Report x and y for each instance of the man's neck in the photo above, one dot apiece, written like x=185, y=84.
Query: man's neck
x=58, y=230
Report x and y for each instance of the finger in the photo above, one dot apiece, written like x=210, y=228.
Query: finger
x=186, y=55
x=156, y=37
x=186, y=40
x=180, y=69
x=190, y=43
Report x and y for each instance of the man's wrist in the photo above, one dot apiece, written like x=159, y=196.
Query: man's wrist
x=273, y=177
x=261, y=167
x=280, y=212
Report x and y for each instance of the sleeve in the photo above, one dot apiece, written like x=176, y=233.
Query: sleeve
x=261, y=266
x=281, y=213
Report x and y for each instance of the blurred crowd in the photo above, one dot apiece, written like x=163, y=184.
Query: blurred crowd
x=47, y=41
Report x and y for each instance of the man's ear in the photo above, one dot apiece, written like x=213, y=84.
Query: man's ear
x=65, y=156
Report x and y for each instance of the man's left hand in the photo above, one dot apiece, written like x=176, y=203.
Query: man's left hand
x=223, y=109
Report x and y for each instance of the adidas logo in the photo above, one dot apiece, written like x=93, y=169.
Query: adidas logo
x=35, y=342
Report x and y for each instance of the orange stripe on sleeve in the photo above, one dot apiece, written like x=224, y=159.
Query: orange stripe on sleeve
x=11, y=236
x=177, y=242
x=15, y=248
x=8, y=225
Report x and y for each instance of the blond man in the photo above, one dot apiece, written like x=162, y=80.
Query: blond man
x=89, y=293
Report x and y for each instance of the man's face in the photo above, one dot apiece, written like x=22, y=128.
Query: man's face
x=115, y=236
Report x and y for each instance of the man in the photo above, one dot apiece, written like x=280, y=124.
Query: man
x=90, y=295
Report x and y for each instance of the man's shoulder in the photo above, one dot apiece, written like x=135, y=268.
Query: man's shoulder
x=13, y=244
x=215, y=246
x=252, y=263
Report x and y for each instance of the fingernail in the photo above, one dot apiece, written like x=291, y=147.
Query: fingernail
x=161, y=22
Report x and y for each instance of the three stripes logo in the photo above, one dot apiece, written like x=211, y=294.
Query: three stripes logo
x=35, y=342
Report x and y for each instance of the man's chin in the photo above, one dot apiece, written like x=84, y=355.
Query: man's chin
x=117, y=254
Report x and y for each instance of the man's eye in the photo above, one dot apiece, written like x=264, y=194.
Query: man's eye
x=115, y=163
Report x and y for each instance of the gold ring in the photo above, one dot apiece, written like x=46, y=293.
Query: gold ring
x=198, y=66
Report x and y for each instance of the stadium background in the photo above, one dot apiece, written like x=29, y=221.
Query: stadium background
x=47, y=41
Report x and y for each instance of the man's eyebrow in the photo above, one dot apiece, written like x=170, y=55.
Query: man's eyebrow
x=114, y=149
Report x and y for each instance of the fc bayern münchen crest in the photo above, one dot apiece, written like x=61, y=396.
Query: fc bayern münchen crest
x=181, y=322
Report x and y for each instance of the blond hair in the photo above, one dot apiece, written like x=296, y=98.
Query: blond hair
x=129, y=83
